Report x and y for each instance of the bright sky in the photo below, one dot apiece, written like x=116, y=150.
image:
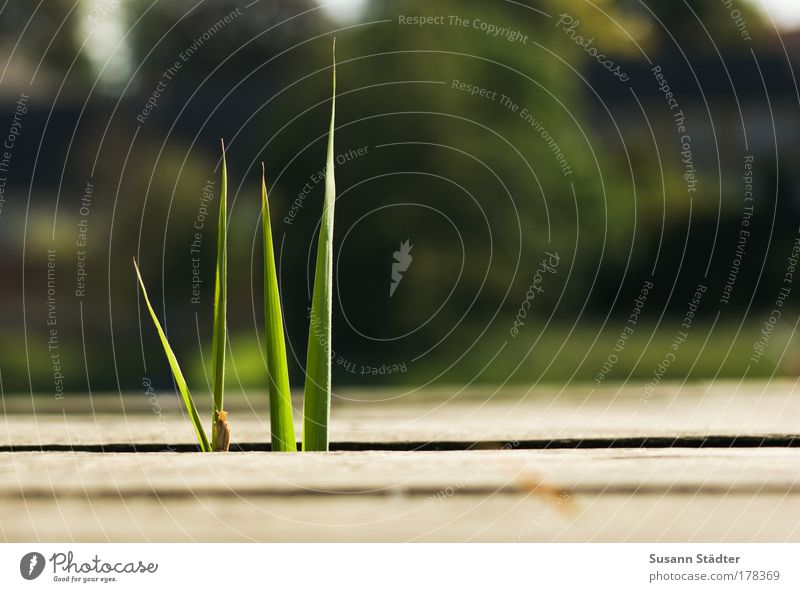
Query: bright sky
x=785, y=13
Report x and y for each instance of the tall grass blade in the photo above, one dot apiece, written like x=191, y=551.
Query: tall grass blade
x=176, y=370
x=220, y=429
x=317, y=398
x=280, y=400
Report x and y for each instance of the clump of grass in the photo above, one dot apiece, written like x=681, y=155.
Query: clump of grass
x=317, y=397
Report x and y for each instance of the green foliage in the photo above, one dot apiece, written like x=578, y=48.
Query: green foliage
x=220, y=429
x=176, y=370
x=318, y=367
x=317, y=401
x=280, y=400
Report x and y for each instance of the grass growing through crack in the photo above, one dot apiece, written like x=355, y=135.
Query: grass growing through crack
x=317, y=397
x=280, y=400
x=317, y=400
x=220, y=428
x=205, y=446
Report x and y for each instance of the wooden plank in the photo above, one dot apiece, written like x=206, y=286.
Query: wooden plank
x=502, y=518
x=667, y=495
x=388, y=416
x=419, y=473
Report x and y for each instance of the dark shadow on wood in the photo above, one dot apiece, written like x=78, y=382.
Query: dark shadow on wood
x=771, y=441
x=426, y=492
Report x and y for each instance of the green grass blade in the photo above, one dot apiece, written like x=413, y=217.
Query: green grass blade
x=176, y=370
x=317, y=398
x=220, y=429
x=280, y=400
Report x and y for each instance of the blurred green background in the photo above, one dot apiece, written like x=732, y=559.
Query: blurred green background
x=129, y=99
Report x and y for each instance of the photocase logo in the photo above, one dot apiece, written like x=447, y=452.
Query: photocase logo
x=400, y=264
x=31, y=565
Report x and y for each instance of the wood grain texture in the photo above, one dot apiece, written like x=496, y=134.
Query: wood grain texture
x=432, y=415
x=623, y=494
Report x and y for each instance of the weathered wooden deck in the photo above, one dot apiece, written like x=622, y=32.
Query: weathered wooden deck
x=570, y=467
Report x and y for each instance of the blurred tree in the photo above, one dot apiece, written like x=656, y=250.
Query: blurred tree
x=689, y=23
x=43, y=31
